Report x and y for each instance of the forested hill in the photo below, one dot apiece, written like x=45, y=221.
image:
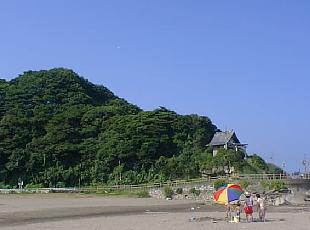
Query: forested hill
x=58, y=129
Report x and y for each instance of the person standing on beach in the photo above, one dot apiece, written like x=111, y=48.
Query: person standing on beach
x=237, y=218
x=228, y=211
x=261, y=208
x=248, y=207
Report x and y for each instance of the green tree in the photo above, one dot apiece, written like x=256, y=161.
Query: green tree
x=56, y=128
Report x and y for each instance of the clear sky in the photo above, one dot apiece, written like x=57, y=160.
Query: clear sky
x=245, y=64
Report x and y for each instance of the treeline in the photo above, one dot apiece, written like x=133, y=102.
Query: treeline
x=58, y=129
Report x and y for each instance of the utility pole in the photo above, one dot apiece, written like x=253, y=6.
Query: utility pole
x=305, y=164
x=283, y=167
x=80, y=168
x=44, y=164
x=120, y=172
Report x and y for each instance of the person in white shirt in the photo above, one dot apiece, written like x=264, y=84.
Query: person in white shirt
x=261, y=208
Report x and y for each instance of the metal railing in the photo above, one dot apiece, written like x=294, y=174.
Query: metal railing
x=198, y=181
x=234, y=178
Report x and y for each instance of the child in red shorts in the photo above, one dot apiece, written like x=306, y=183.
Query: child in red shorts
x=248, y=207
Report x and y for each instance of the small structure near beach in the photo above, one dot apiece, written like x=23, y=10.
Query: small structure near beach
x=226, y=140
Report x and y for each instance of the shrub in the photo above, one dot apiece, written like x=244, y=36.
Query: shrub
x=34, y=186
x=265, y=184
x=60, y=185
x=168, y=192
x=4, y=186
x=143, y=194
x=179, y=190
x=194, y=191
x=277, y=185
x=244, y=184
x=219, y=183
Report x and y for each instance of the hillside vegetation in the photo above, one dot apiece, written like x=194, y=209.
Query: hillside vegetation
x=58, y=129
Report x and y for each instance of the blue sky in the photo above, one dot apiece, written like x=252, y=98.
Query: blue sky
x=245, y=64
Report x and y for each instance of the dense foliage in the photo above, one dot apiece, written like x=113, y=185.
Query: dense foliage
x=57, y=129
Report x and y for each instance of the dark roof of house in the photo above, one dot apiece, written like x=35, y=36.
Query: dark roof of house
x=222, y=138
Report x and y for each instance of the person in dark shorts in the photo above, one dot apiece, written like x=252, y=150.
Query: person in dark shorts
x=237, y=218
x=228, y=211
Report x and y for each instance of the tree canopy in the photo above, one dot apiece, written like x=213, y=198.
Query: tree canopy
x=58, y=128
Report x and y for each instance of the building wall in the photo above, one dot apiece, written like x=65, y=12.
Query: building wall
x=215, y=152
x=236, y=148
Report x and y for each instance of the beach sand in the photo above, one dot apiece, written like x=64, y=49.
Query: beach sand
x=75, y=211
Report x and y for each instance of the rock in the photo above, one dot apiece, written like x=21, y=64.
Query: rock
x=279, y=201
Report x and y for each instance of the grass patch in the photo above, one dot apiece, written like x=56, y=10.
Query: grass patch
x=136, y=193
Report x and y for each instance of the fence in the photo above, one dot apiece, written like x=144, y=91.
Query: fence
x=179, y=183
x=192, y=182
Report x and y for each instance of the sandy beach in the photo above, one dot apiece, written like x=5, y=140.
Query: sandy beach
x=75, y=211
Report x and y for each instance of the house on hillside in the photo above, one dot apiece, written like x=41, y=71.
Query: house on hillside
x=226, y=140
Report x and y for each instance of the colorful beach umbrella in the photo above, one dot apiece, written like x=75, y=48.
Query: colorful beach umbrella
x=228, y=193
